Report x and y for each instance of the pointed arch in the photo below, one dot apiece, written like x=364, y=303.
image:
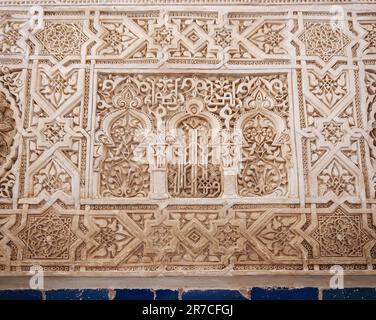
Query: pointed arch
x=194, y=164
x=263, y=166
x=124, y=170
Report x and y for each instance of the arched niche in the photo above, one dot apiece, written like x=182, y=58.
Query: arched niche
x=263, y=168
x=124, y=167
x=194, y=169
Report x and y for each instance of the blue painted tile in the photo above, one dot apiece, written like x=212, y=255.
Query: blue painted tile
x=167, y=295
x=134, y=294
x=213, y=295
x=284, y=294
x=349, y=294
x=70, y=294
x=20, y=295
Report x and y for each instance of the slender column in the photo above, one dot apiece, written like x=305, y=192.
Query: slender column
x=158, y=171
x=229, y=183
x=158, y=183
x=230, y=151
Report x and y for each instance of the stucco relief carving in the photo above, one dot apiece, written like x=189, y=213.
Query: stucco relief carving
x=179, y=140
x=197, y=112
x=121, y=174
x=7, y=128
x=265, y=155
x=61, y=39
x=9, y=133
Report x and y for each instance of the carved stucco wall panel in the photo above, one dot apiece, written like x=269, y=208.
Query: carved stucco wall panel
x=190, y=140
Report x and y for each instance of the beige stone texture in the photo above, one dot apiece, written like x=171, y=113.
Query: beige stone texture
x=230, y=142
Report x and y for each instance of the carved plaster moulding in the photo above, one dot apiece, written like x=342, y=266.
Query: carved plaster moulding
x=198, y=140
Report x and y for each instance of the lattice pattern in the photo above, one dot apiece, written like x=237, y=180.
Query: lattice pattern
x=214, y=140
